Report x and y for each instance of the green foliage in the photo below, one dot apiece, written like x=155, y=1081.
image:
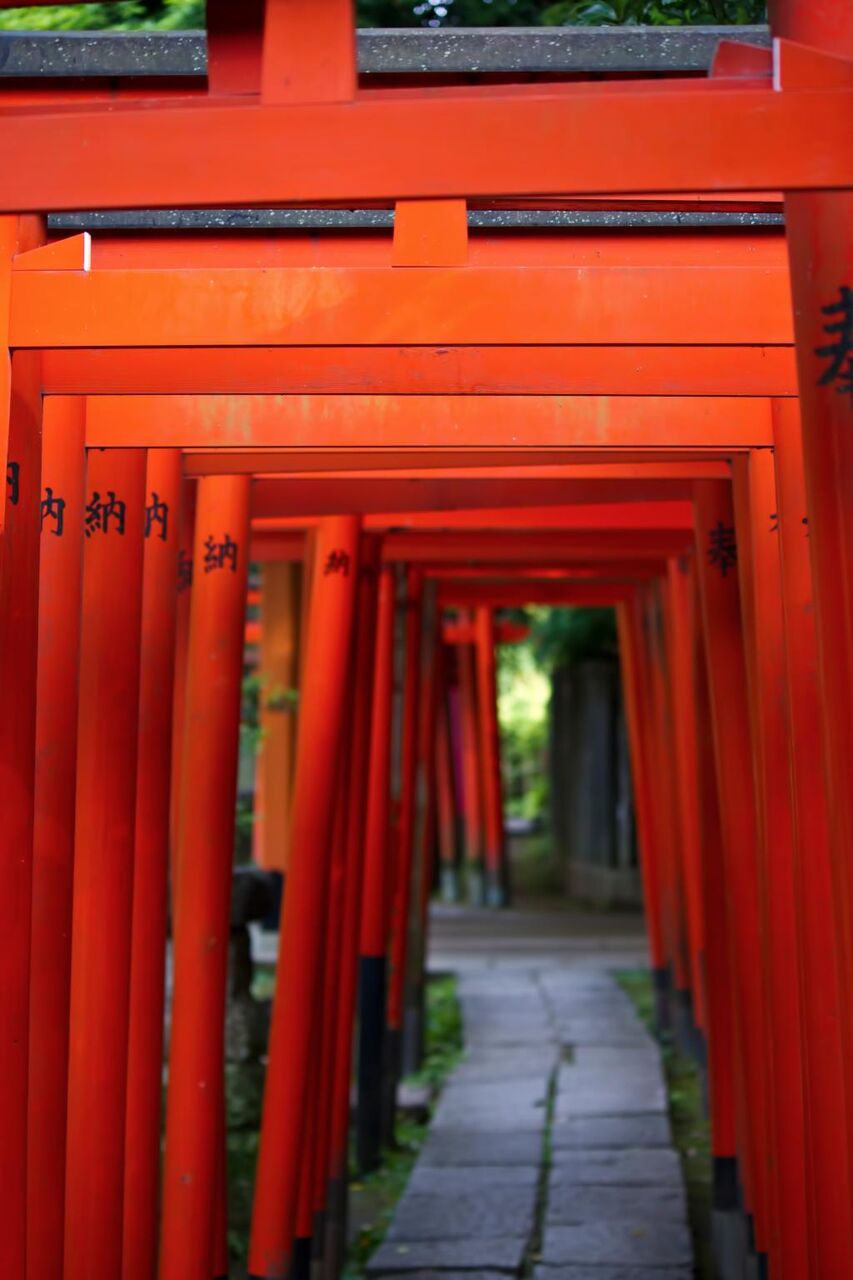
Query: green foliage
x=523, y=695
x=443, y=1047
x=563, y=636
x=124, y=15
x=171, y=15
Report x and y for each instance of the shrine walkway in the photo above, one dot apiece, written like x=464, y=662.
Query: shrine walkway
x=549, y=1152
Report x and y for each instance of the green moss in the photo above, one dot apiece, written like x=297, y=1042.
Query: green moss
x=691, y=1130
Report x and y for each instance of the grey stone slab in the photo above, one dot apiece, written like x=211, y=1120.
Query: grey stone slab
x=611, y=1131
x=601, y=1032
x=613, y=1273
x=447, y=1275
x=632, y=1243
x=497, y=1094
x=477, y=1179
x=570, y=1203
x=603, y=1094
x=504, y=1211
x=619, y=1058
x=528, y=1064
x=461, y=1146
x=636, y=1166
x=635, y=49
x=509, y=1119
x=498, y=1253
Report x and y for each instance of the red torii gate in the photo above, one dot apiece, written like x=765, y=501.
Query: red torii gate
x=764, y=112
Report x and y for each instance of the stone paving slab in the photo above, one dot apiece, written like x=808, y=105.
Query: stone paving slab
x=497, y=1093
x=635, y=1166
x=492, y=1253
x=483, y=1066
x=581, y=1031
x=570, y=1203
x=615, y=1206
x=612, y=1273
x=475, y=1147
x=510, y=1119
x=470, y=1179
x=590, y=1093
x=446, y=1275
x=619, y=1058
x=654, y=1243
x=611, y=1131
x=498, y=1211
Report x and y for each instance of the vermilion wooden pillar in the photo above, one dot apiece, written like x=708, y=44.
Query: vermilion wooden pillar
x=759, y=575
x=716, y=560
x=655, y=673
x=311, y=1222
x=358, y=770
x=819, y=234
x=404, y=878
x=490, y=759
x=151, y=865
x=19, y=568
x=826, y=1020
x=373, y=943
x=628, y=628
x=472, y=806
x=424, y=838
x=725, y=1065
x=60, y=582
x=681, y=647
x=103, y=860
x=321, y=718
x=203, y=890
x=185, y=570
x=278, y=668
x=445, y=790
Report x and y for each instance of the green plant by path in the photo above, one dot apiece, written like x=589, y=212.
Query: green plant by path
x=691, y=1131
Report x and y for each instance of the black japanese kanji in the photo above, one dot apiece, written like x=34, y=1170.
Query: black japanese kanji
x=839, y=352
x=53, y=508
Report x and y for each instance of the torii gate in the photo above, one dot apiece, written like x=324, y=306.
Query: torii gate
x=737, y=117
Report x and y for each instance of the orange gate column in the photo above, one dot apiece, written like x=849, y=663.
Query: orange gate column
x=681, y=649
x=716, y=560
x=472, y=804
x=445, y=789
x=724, y=1075
x=103, y=860
x=629, y=628
x=496, y=879
x=19, y=568
x=298, y=991
x=373, y=943
x=819, y=235
x=151, y=865
x=404, y=879
x=202, y=895
x=60, y=583
x=826, y=1024
x=278, y=667
x=759, y=575
x=363, y=668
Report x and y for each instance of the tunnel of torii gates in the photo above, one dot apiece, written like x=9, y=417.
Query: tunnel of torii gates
x=424, y=421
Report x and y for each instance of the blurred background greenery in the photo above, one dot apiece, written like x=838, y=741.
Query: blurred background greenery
x=172, y=15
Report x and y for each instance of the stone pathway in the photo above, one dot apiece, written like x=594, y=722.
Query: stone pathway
x=549, y=1154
